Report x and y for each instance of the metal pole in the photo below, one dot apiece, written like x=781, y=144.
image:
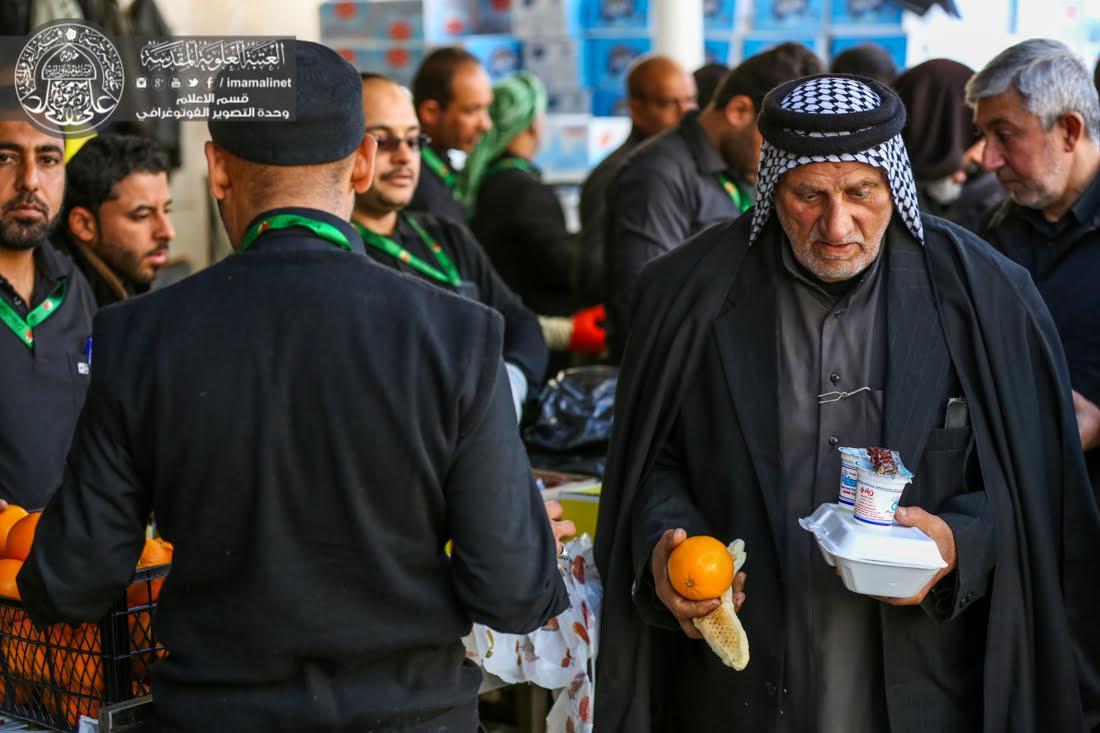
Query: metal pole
x=678, y=31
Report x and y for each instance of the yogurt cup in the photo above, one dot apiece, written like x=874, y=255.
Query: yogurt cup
x=849, y=477
x=877, y=494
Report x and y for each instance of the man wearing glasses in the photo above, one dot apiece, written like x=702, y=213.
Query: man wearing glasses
x=436, y=249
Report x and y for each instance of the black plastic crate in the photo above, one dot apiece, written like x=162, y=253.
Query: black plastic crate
x=54, y=676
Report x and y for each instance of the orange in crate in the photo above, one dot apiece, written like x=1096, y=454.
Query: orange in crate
x=8, y=570
x=700, y=568
x=21, y=536
x=9, y=517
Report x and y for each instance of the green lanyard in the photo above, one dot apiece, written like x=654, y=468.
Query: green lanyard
x=516, y=164
x=445, y=273
x=324, y=230
x=440, y=168
x=740, y=200
x=24, y=329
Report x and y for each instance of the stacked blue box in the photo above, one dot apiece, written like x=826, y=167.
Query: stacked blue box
x=719, y=16
x=609, y=61
x=717, y=51
x=755, y=43
x=617, y=15
x=788, y=15
x=865, y=12
x=501, y=55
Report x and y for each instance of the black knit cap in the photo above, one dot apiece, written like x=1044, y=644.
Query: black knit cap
x=836, y=130
x=329, y=122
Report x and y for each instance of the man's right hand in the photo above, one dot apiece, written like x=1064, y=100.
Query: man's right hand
x=562, y=529
x=682, y=608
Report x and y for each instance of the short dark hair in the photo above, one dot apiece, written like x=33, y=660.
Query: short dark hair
x=707, y=79
x=869, y=60
x=366, y=76
x=103, y=161
x=757, y=75
x=434, y=79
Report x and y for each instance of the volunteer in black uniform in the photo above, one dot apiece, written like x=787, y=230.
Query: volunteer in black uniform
x=451, y=94
x=309, y=428
x=117, y=221
x=436, y=249
x=46, y=311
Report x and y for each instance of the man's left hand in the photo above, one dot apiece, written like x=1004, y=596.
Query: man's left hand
x=1088, y=421
x=563, y=529
x=941, y=533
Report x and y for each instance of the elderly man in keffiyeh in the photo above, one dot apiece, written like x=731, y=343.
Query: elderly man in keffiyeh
x=838, y=314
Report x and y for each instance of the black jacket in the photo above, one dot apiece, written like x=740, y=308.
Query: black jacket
x=519, y=221
x=309, y=429
x=42, y=389
x=1017, y=648
x=435, y=197
x=666, y=191
x=523, y=342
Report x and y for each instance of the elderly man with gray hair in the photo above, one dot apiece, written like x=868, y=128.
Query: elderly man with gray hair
x=1036, y=107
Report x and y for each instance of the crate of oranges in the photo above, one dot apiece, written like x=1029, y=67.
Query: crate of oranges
x=55, y=676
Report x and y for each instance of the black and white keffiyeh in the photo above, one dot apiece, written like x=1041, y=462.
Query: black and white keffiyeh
x=834, y=118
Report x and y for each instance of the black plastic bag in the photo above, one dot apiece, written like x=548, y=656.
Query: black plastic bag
x=575, y=411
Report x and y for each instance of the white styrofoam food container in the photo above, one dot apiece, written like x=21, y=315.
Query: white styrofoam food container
x=893, y=562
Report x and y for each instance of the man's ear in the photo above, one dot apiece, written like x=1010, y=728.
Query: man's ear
x=740, y=112
x=82, y=225
x=217, y=172
x=362, y=168
x=1073, y=128
x=429, y=113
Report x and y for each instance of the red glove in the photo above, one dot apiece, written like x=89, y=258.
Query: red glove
x=588, y=335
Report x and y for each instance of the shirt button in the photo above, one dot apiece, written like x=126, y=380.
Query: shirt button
x=833, y=440
x=834, y=377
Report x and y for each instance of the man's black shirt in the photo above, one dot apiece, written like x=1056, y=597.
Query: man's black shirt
x=434, y=196
x=42, y=387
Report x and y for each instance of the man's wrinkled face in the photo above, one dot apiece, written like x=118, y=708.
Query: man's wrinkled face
x=1029, y=161
x=466, y=118
x=391, y=120
x=32, y=184
x=135, y=227
x=835, y=215
x=668, y=97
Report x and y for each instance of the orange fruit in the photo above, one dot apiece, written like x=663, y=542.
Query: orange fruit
x=21, y=536
x=700, y=568
x=8, y=570
x=8, y=517
x=155, y=552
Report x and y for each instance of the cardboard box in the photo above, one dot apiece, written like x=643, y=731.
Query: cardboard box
x=501, y=55
x=610, y=103
x=609, y=60
x=568, y=101
x=534, y=18
x=895, y=44
x=563, y=149
x=618, y=15
x=605, y=134
x=397, y=61
x=557, y=61
x=755, y=43
x=717, y=50
x=788, y=14
x=493, y=16
x=865, y=12
x=397, y=21
x=720, y=16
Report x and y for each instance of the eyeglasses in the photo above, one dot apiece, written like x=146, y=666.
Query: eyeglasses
x=390, y=144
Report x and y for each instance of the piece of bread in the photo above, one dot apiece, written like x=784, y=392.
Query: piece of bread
x=721, y=628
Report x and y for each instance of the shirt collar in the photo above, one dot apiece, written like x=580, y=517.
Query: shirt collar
x=345, y=227
x=1087, y=205
x=706, y=157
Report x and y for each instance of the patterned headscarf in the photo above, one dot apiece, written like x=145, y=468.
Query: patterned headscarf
x=517, y=103
x=834, y=118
